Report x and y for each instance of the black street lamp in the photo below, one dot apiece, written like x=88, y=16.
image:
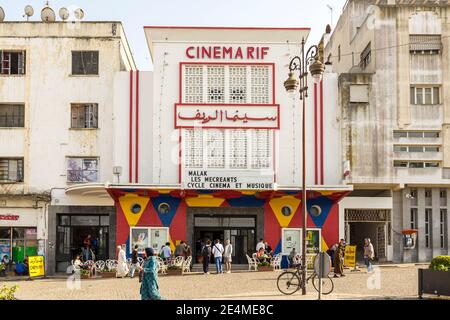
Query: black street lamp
x=316, y=68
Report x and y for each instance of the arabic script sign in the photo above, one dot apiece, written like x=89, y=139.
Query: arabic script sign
x=36, y=266
x=227, y=116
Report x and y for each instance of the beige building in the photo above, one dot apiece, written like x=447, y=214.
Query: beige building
x=56, y=132
x=392, y=58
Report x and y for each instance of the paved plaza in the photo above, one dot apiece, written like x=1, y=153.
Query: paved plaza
x=398, y=282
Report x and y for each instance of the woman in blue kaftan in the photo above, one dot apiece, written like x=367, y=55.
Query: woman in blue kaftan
x=149, y=285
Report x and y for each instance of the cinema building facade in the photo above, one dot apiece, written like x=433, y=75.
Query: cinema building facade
x=212, y=144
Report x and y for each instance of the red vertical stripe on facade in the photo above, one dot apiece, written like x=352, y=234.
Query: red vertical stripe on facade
x=315, y=136
x=180, y=100
x=130, y=165
x=321, y=132
x=136, y=178
x=179, y=155
x=274, y=156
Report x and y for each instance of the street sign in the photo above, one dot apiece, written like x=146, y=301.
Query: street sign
x=350, y=256
x=36, y=266
x=322, y=269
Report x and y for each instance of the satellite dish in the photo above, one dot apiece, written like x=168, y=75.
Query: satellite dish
x=2, y=14
x=79, y=14
x=48, y=15
x=64, y=14
x=29, y=11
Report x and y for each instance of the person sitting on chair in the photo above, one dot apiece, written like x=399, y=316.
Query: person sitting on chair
x=20, y=268
x=261, y=255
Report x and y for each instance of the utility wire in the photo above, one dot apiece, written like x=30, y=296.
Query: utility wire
x=387, y=48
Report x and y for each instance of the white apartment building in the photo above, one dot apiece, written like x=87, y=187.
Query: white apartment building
x=56, y=131
x=392, y=59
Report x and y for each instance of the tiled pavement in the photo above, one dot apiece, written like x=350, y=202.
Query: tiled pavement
x=385, y=283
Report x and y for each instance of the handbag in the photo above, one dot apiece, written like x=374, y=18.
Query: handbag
x=141, y=275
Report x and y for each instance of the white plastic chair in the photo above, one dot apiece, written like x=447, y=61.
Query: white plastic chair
x=252, y=263
x=99, y=265
x=178, y=261
x=111, y=264
x=276, y=262
x=187, y=265
x=162, y=265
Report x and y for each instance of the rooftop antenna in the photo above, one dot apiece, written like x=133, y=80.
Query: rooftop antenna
x=331, y=13
x=29, y=11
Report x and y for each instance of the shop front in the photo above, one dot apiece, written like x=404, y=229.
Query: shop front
x=152, y=216
x=18, y=233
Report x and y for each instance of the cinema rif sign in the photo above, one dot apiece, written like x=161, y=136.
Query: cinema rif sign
x=229, y=53
x=227, y=116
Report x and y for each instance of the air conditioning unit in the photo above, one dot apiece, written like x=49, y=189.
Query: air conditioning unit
x=359, y=93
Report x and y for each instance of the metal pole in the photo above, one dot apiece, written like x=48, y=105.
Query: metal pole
x=321, y=267
x=304, y=198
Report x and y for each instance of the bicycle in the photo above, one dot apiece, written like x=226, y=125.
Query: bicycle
x=289, y=282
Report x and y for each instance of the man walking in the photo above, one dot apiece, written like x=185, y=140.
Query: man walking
x=206, y=254
x=227, y=255
x=368, y=254
x=166, y=252
x=338, y=259
x=218, y=252
x=134, y=261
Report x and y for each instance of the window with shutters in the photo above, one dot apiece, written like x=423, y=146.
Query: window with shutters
x=443, y=228
x=227, y=149
x=428, y=218
x=12, y=62
x=238, y=84
x=215, y=148
x=238, y=149
x=233, y=84
x=261, y=149
x=425, y=44
x=193, y=148
x=84, y=116
x=230, y=84
x=11, y=170
x=260, y=84
x=366, y=57
x=193, y=83
x=216, y=84
x=12, y=115
x=85, y=62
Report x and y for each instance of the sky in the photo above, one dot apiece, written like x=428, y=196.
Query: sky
x=135, y=14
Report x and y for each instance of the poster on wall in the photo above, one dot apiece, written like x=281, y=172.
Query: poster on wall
x=313, y=243
x=292, y=240
x=5, y=249
x=159, y=237
x=139, y=237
